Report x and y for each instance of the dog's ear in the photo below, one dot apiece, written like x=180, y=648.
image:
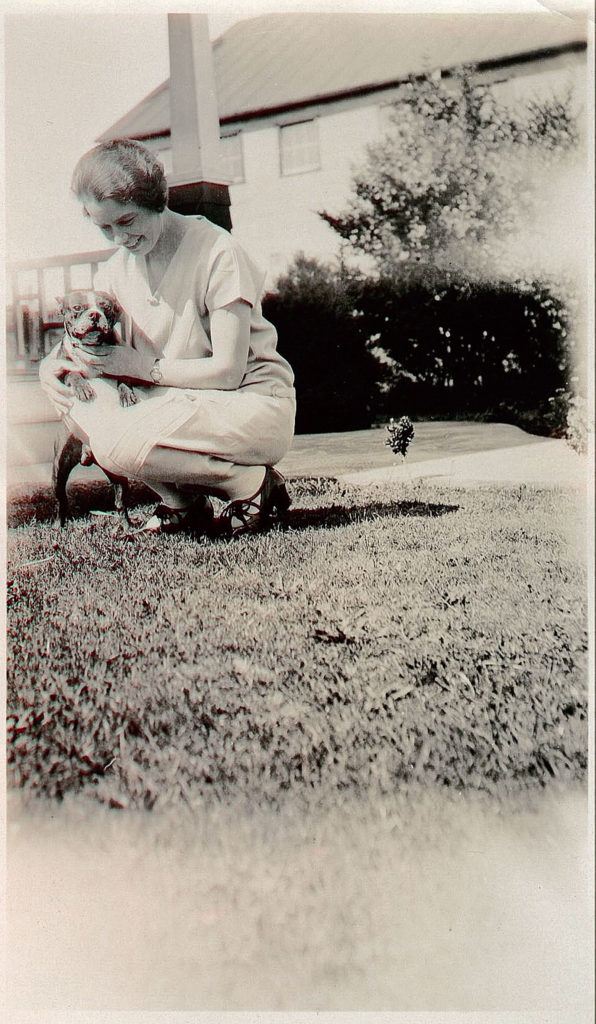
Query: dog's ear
x=60, y=305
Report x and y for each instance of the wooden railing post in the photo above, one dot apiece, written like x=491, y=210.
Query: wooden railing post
x=28, y=322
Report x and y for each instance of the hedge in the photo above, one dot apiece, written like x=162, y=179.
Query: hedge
x=366, y=348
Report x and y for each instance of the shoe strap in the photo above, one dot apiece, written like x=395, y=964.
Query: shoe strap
x=169, y=515
x=240, y=508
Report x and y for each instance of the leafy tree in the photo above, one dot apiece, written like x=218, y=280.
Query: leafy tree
x=459, y=319
x=448, y=185
x=467, y=305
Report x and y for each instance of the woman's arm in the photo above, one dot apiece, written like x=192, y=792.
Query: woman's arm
x=224, y=370
x=51, y=370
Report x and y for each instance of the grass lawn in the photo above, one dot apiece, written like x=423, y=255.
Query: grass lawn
x=424, y=637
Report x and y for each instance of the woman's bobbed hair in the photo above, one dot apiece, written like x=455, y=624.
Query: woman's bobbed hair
x=123, y=170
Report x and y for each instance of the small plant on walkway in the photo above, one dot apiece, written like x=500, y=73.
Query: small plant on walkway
x=401, y=434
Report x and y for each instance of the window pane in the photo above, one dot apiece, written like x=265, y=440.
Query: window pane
x=299, y=147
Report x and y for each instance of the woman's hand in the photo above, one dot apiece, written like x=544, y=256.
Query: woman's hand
x=119, y=361
x=51, y=369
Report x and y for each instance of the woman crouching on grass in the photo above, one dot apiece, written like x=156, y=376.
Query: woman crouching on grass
x=216, y=403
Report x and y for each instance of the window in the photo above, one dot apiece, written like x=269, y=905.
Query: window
x=299, y=147
x=232, y=157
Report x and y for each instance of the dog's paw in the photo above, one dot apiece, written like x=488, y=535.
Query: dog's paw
x=127, y=395
x=83, y=390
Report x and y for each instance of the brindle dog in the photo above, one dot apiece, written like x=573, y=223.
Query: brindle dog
x=89, y=319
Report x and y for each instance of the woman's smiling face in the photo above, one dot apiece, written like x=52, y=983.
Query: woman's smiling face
x=127, y=225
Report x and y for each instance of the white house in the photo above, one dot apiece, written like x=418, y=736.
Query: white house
x=301, y=94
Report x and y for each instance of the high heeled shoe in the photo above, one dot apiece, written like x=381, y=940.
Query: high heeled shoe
x=257, y=513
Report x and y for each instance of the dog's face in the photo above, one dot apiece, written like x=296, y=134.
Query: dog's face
x=89, y=318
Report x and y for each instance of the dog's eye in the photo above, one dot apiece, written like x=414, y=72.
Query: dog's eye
x=76, y=309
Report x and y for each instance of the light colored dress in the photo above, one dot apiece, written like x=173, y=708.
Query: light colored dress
x=171, y=427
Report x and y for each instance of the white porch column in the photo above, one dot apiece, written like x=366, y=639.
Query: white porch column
x=197, y=184
x=194, y=116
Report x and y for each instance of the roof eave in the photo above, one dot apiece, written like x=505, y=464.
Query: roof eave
x=525, y=57
x=114, y=133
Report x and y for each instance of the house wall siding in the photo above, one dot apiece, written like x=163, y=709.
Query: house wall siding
x=276, y=216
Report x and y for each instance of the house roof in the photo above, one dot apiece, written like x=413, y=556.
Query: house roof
x=278, y=61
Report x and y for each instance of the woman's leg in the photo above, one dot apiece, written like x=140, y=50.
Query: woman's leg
x=227, y=480
x=216, y=441
x=222, y=446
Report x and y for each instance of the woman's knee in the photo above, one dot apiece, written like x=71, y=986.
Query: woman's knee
x=102, y=454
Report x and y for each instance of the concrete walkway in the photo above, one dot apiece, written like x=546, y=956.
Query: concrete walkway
x=552, y=464
x=454, y=453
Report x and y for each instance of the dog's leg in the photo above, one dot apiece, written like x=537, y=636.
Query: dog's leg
x=121, y=491
x=67, y=454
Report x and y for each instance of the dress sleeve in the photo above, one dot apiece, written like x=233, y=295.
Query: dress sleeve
x=232, y=276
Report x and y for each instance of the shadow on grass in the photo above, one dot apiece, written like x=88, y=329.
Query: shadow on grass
x=339, y=515
x=38, y=505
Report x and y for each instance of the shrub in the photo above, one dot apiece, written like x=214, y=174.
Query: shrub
x=429, y=345
x=572, y=409
x=337, y=374
x=459, y=348
x=578, y=424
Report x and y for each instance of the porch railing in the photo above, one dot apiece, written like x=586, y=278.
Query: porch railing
x=33, y=324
